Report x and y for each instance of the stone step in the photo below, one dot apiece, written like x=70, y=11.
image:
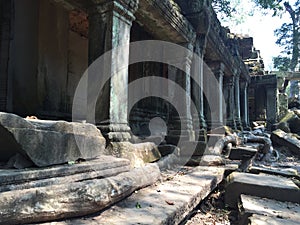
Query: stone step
x=168, y=202
x=264, y=220
x=260, y=185
x=268, y=207
x=104, y=166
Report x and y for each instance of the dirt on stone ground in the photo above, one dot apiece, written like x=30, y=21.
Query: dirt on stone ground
x=211, y=211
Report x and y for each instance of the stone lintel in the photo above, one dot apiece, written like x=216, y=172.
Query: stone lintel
x=164, y=20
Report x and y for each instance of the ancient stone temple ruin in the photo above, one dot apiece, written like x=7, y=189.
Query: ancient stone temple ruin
x=46, y=47
x=171, y=76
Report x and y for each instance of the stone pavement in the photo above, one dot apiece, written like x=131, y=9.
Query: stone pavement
x=166, y=202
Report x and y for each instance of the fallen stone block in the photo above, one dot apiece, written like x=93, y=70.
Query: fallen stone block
x=263, y=220
x=138, y=154
x=260, y=185
x=290, y=122
x=240, y=153
x=211, y=160
x=48, y=143
x=268, y=207
x=281, y=138
x=72, y=199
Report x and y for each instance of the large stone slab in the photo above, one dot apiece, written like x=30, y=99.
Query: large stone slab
x=168, y=202
x=281, y=138
x=268, y=207
x=50, y=142
x=260, y=185
x=104, y=166
x=73, y=199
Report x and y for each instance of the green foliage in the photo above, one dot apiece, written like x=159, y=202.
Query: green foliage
x=285, y=37
x=228, y=8
x=288, y=34
x=224, y=7
x=270, y=4
x=282, y=63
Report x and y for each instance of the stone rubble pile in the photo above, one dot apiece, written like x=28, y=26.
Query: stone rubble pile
x=247, y=158
x=287, y=132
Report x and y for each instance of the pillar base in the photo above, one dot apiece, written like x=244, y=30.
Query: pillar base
x=115, y=132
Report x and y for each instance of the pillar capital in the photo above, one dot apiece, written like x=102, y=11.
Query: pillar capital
x=124, y=8
x=217, y=66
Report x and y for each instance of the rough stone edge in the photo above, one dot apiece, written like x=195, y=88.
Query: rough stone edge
x=78, y=199
x=66, y=179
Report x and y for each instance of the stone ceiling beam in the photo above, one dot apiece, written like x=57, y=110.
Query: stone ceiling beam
x=164, y=20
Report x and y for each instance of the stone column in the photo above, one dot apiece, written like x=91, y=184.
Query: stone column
x=230, y=104
x=271, y=93
x=181, y=126
x=237, y=102
x=200, y=126
x=216, y=95
x=244, y=104
x=109, y=27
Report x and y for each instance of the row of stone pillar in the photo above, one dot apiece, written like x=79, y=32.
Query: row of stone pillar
x=109, y=27
x=235, y=93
